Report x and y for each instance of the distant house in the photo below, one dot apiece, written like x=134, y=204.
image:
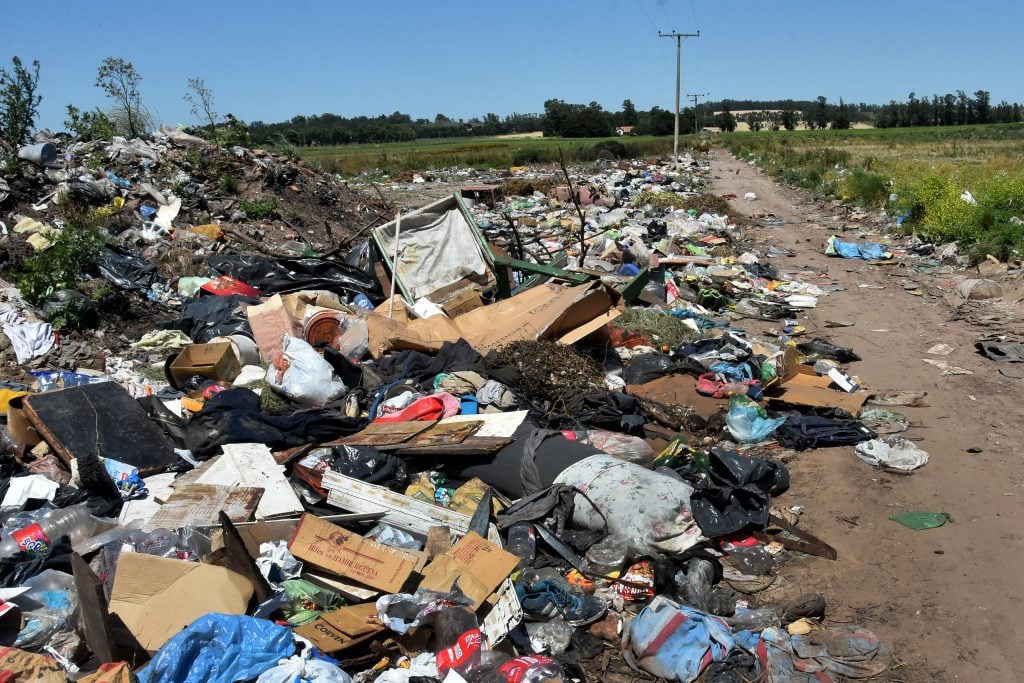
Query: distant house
x=624, y=130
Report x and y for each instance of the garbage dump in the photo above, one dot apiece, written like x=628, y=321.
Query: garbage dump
x=501, y=438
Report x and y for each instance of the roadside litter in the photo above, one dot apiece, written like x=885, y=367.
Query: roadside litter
x=455, y=443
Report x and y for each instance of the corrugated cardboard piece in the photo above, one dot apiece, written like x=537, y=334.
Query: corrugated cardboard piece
x=156, y=597
x=475, y=564
x=338, y=550
x=800, y=385
x=544, y=312
x=340, y=629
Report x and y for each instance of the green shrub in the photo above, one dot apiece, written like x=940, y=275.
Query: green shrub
x=73, y=252
x=259, y=209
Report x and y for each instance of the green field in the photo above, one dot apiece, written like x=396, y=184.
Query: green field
x=916, y=174
x=397, y=157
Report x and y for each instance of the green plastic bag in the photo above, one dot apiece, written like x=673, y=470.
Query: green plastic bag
x=919, y=520
x=307, y=600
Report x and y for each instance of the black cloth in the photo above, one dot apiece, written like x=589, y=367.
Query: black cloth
x=368, y=464
x=612, y=410
x=234, y=416
x=421, y=367
x=280, y=276
x=801, y=432
x=503, y=470
x=736, y=494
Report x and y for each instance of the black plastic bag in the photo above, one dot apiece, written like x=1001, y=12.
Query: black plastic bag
x=126, y=269
x=736, y=493
x=206, y=317
x=647, y=367
x=286, y=275
x=822, y=348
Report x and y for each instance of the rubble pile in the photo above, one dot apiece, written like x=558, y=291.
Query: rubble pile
x=466, y=447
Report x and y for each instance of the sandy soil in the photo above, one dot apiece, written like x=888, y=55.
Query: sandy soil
x=946, y=600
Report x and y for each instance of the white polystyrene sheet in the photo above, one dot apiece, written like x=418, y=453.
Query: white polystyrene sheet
x=435, y=254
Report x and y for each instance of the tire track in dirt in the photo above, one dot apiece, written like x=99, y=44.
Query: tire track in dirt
x=945, y=600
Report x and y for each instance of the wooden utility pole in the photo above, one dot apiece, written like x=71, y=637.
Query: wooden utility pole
x=679, y=50
x=696, y=112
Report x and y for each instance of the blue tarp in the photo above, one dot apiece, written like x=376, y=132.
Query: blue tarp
x=871, y=251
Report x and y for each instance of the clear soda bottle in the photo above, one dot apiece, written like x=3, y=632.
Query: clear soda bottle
x=528, y=669
x=459, y=642
x=74, y=521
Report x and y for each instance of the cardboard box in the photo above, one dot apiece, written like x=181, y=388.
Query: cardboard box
x=341, y=629
x=270, y=321
x=800, y=385
x=347, y=554
x=475, y=564
x=215, y=361
x=156, y=597
x=463, y=302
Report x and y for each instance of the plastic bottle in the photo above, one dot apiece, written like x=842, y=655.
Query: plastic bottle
x=528, y=669
x=522, y=542
x=753, y=619
x=75, y=521
x=460, y=643
x=609, y=555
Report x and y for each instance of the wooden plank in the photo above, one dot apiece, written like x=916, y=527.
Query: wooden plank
x=99, y=632
x=633, y=288
x=100, y=420
x=386, y=433
x=402, y=511
x=199, y=505
x=474, y=445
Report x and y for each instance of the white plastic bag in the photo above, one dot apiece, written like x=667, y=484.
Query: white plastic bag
x=894, y=451
x=300, y=670
x=303, y=375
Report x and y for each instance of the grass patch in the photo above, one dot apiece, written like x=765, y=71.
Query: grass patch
x=926, y=170
x=660, y=328
x=256, y=208
x=485, y=153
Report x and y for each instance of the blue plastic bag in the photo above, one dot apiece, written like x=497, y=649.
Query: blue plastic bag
x=747, y=421
x=220, y=648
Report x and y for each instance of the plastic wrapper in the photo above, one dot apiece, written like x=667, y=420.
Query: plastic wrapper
x=301, y=374
x=125, y=269
x=396, y=538
x=404, y=611
x=218, y=648
x=276, y=563
x=49, y=607
x=306, y=601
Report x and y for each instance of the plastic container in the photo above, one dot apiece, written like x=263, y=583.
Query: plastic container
x=609, y=555
x=459, y=642
x=75, y=521
x=753, y=619
x=522, y=542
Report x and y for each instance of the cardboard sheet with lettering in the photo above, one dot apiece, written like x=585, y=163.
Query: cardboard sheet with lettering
x=340, y=629
x=475, y=564
x=348, y=554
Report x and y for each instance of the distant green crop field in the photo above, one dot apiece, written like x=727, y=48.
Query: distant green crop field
x=495, y=152
x=918, y=175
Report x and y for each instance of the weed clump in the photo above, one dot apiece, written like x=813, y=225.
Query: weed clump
x=259, y=209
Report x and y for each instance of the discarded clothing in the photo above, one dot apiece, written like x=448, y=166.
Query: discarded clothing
x=801, y=432
x=871, y=251
x=29, y=339
x=675, y=642
x=851, y=652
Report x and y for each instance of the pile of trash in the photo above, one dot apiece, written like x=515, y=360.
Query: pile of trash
x=466, y=448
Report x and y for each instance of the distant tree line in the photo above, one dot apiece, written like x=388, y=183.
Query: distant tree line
x=947, y=110
x=331, y=129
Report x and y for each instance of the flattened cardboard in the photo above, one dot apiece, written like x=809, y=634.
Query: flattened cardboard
x=800, y=385
x=270, y=321
x=156, y=597
x=347, y=554
x=547, y=311
x=341, y=629
x=475, y=564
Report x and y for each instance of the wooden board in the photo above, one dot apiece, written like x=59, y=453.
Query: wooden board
x=100, y=420
x=385, y=433
x=198, y=505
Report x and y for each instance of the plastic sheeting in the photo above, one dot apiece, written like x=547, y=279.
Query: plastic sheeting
x=286, y=275
x=434, y=251
x=218, y=648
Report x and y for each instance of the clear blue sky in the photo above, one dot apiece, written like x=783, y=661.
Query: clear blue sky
x=270, y=60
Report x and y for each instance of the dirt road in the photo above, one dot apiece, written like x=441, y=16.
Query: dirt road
x=946, y=600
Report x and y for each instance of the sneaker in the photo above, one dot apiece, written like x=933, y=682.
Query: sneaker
x=551, y=597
